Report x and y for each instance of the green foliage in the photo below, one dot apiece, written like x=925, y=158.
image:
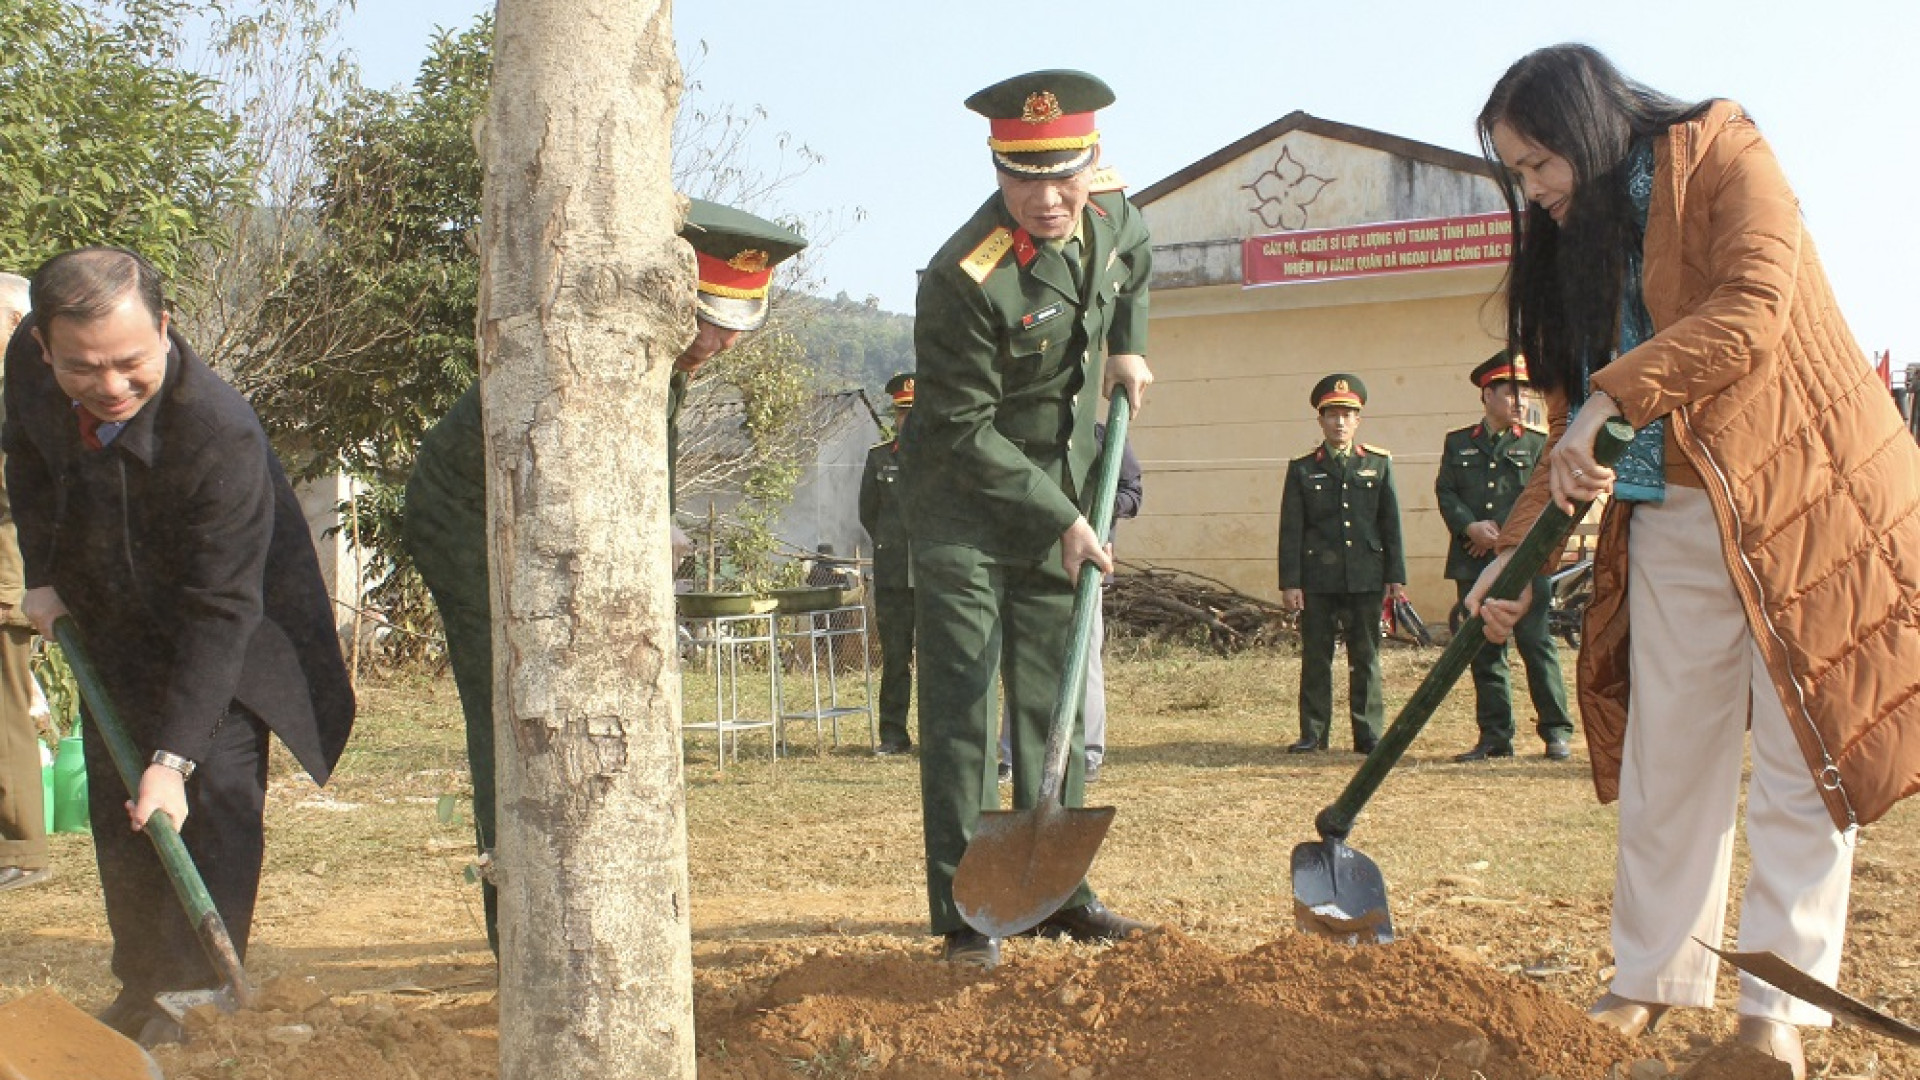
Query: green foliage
x=854, y=343
x=103, y=139
x=376, y=329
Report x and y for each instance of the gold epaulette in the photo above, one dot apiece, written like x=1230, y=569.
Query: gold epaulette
x=988, y=255
x=1106, y=178
x=1372, y=449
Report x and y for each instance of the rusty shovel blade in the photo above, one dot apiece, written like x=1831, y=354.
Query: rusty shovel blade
x=1339, y=893
x=1770, y=968
x=1023, y=864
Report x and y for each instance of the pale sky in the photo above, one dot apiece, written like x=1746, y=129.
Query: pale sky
x=876, y=87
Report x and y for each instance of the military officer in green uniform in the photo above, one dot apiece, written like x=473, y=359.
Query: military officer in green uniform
x=1340, y=558
x=1482, y=471
x=444, y=524
x=883, y=514
x=1025, y=318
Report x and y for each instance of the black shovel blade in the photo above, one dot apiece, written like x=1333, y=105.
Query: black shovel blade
x=1021, y=865
x=1340, y=894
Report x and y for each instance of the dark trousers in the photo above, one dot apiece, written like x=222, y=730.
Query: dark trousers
x=467, y=619
x=981, y=617
x=1492, y=687
x=23, y=821
x=155, y=948
x=1355, y=617
x=893, y=618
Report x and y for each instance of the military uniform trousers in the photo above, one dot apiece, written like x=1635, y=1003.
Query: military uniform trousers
x=1492, y=688
x=893, y=618
x=466, y=614
x=1355, y=617
x=23, y=822
x=155, y=948
x=979, y=616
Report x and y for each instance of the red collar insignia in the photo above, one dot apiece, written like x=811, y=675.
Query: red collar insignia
x=1023, y=250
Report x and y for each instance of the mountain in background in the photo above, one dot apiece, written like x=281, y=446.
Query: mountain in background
x=852, y=344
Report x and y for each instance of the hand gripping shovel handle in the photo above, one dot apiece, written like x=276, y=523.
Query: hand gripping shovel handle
x=1073, y=677
x=160, y=829
x=1547, y=537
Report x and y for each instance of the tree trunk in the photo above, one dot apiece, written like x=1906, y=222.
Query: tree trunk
x=585, y=299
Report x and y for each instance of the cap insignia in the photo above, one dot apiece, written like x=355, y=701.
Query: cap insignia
x=1041, y=108
x=750, y=261
x=1340, y=386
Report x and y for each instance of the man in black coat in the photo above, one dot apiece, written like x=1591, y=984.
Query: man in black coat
x=150, y=506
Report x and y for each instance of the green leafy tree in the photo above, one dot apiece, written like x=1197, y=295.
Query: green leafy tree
x=104, y=139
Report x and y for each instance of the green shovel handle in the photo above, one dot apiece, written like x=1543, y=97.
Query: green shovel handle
x=160, y=829
x=1086, y=594
x=1547, y=537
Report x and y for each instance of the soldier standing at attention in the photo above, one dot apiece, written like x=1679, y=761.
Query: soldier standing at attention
x=883, y=515
x=1026, y=318
x=1340, y=557
x=1482, y=471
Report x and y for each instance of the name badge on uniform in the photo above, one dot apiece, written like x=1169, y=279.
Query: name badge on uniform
x=1369, y=472
x=1035, y=318
x=1469, y=451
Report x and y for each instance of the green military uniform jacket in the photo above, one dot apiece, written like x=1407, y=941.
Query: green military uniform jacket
x=1008, y=364
x=1481, y=474
x=883, y=513
x=446, y=504
x=1340, y=523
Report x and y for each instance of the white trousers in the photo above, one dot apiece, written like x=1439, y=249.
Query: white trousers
x=1699, y=686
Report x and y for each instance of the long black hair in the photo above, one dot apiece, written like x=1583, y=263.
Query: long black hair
x=1563, y=285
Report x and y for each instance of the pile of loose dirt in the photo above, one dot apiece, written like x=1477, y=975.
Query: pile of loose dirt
x=1162, y=1006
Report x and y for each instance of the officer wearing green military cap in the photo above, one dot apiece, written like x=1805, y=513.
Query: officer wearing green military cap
x=1025, y=318
x=1340, y=558
x=734, y=255
x=883, y=513
x=1483, y=469
x=444, y=524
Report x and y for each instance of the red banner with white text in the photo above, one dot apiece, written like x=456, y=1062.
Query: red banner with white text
x=1387, y=247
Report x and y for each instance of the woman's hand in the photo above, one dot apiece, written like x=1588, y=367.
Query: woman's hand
x=1572, y=473
x=1497, y=617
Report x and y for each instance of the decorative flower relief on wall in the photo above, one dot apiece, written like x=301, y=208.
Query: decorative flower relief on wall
x=1284, y=192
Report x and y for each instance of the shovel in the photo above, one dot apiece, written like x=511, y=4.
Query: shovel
x=1021, y=865
x=1337, y=891
x=43, y=1037
x=160, y=829
x=1768, y=967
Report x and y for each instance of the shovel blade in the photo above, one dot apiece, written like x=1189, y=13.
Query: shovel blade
x=44, y=1037
x=1021, y=865
x=1769, y=967
x=1340, y=893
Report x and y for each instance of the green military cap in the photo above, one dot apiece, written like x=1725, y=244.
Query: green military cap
x=900, y=389
x=736, y=253
x=1042, y=122
x=1503, y=366
x=1339, y=389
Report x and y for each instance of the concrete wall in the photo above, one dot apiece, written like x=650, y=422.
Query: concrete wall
x=1233, y=369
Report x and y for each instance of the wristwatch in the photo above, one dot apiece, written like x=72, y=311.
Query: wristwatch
x=173, y=761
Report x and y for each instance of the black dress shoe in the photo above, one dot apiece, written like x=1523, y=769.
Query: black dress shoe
x=1558, y=750
x=1091, y=922
x=130, y=1012
x=1483, y=752
x=1364, y=744
x=971, y=947
x=889, y=747
x=1308, y=746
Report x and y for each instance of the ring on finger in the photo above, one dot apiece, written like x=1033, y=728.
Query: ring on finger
x=1579, y=472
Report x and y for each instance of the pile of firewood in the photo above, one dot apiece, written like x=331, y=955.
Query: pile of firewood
x=1176, y=605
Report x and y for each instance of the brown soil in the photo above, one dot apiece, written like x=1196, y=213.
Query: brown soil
x=811, y=957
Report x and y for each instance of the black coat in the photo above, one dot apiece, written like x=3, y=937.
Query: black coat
x=183, y=555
